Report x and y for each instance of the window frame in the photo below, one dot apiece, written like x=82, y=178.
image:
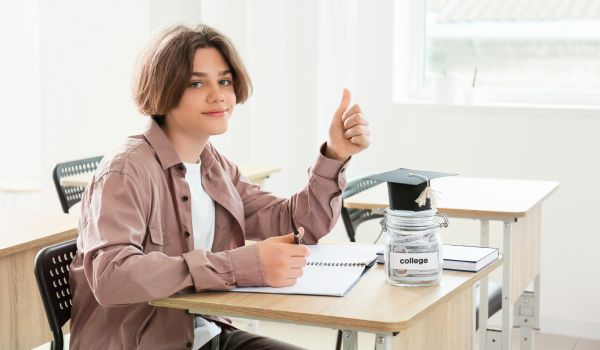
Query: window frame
x=410, y=87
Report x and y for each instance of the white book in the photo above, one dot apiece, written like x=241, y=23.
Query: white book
x=331, y=270
x=468, y=258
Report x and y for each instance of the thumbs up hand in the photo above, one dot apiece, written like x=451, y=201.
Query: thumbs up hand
x=349, y=131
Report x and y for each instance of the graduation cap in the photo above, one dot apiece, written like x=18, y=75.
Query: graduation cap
x=409, y=189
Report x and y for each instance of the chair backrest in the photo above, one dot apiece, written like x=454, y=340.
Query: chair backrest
x=71, y=195
x=354, y=217
x=52, y=275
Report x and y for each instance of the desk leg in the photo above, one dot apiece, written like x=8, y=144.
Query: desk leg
x=383, y=342
x=507, y=316
x=349, y=340
x=524, y=317
x=527, y=315
x=483, y=290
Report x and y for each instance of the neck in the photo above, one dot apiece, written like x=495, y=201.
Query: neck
x=187, y=146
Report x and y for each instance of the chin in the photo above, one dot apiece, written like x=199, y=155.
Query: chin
x=219, y=130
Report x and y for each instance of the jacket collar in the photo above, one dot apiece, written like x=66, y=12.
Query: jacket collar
x=162, y=146
x=218, y=184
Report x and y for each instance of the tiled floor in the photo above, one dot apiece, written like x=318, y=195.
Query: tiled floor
x=544, y=341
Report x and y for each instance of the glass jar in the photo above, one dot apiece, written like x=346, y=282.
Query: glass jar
x=413, y=247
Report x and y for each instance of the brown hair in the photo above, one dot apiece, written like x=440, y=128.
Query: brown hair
x=165, y=66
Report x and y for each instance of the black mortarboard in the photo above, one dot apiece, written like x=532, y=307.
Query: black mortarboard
x=409, y=189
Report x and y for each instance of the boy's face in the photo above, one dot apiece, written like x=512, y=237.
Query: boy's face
x=209, y=99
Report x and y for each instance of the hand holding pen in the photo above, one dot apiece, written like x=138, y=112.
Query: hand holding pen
x=282, y=261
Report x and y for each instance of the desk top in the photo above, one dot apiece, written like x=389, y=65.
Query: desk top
x=22, y=230
x=253, y=172
x=17, y=185
x=372, y=305
x=471, y=197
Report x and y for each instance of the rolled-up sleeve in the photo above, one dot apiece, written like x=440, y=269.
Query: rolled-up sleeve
x=225, y=270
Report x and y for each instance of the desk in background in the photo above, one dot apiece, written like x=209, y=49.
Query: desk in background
x=256, y=174
x=11, y=188
x=23, y=323
x=517, y=203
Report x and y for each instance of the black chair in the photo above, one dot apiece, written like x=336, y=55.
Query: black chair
x=354, y=217
x=71, y=195
x=52, y=275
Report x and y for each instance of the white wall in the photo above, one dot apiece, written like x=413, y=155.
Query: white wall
x=300, y=55
x=20, y=129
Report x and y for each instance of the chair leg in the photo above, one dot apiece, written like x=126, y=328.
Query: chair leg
x=57, y=343
x=338, y=342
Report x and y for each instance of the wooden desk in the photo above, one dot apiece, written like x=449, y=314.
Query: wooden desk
x=256, y=174
x=517, y=203
x=23, y=323
x=437, y=317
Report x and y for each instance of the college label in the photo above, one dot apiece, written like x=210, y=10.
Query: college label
x=414, y=261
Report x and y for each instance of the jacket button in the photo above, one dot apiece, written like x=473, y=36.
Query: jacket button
x=189, y=344
x=185, y=198
x=186, y=233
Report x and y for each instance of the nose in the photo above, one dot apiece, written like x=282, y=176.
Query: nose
x=215, y=95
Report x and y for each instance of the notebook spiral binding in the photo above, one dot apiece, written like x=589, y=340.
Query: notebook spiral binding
x=320, y=263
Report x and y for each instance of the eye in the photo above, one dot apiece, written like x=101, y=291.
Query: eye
x=225, y=82
x=196, y=84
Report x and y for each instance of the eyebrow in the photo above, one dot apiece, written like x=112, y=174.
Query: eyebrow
x=204, y=75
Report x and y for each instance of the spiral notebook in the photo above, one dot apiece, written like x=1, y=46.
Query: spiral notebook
x=331, y=270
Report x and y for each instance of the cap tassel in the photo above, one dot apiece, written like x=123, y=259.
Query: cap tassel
x=428, y=192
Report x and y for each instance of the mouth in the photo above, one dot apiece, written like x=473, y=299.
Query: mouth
x=216, y=113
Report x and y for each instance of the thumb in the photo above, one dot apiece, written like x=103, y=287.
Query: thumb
x=343, y=104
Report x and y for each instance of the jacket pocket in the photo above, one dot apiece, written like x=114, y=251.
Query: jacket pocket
x=154, y=239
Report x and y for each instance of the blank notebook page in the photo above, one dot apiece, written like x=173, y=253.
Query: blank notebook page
x=331, y=270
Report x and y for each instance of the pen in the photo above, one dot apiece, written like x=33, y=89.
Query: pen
x=297, y=236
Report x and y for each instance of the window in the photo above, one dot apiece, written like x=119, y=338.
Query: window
x=501, y=51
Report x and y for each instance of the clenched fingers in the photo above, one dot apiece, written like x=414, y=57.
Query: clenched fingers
x=296, y=250
x=357, y=130
x=355, y=119
x=363, y=141
x=297, y=262
x=355, y=109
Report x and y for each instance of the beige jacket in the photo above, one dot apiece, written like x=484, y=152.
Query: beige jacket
x=136, y=242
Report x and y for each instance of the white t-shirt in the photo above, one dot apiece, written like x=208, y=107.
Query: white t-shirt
x=203, y=229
